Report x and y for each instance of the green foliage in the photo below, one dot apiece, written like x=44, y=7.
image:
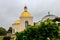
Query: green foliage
x=10, y=30
x=49, y=29
x=2, y=31
x=57, y=19
x=30, y=33
x=39, y=32
x=59, y=30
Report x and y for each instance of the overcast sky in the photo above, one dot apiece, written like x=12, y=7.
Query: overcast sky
x=10, y=10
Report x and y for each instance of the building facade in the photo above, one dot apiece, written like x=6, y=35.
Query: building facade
x=25, y=19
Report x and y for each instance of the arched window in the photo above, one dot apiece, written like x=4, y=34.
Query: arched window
x=26, y=23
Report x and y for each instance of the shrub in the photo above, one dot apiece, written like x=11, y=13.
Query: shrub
x=6, y=38
x=44, y=30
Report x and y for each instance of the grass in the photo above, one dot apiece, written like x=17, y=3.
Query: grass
x=1, y=38
x=12, y=39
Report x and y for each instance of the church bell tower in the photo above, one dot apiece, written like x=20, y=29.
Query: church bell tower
x=25, y=19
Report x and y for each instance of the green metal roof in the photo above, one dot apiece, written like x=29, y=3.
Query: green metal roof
x=49, y=15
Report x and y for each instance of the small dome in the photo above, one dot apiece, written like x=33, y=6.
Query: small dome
x=25, y=13
x=17, y=22
x=50, y=16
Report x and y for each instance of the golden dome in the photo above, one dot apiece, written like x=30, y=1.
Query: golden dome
x=17, y=22
x=25, y=13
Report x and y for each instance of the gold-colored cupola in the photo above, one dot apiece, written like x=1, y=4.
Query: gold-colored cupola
x=17, y=22
x=25, y=13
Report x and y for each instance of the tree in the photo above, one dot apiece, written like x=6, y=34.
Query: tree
x=2, y=31
x=57, y=19
x=30, y=33
x=10, y=30
x=42, y=31
x=49, y=29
